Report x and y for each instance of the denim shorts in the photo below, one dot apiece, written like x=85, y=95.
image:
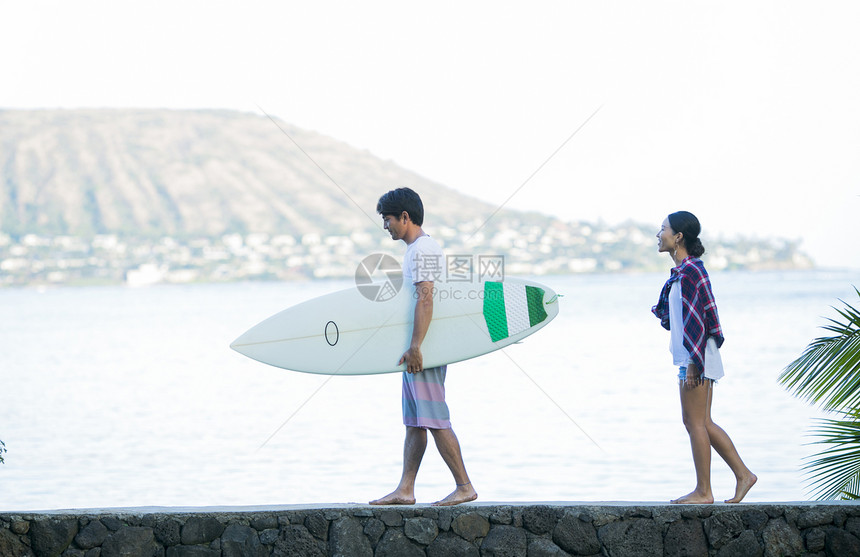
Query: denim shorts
x=682, y=374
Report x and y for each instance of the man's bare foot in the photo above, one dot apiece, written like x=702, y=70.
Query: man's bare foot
x=743, y=488
x=394, y=498
x=694, y=498
x=463, y=494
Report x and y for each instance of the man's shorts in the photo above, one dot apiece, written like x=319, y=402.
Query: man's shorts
x=424, y=403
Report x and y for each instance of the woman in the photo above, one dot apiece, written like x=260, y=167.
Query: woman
x=687, y=309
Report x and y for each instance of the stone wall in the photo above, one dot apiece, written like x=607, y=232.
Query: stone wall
x=475, y=529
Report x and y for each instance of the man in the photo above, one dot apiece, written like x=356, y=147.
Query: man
x=424, y=404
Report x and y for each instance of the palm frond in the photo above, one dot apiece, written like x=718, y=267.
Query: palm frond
x=828, y=371
x=835, y=471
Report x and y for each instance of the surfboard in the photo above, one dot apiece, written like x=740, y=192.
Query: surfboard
x=359, y=331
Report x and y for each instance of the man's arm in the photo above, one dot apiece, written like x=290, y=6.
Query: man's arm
x=423, y=314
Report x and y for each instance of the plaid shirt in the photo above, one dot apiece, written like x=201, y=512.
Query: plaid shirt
x=697, y=306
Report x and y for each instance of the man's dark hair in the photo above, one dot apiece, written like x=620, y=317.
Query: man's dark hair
x=399, y=200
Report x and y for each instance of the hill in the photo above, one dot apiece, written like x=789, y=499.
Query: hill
x=189, y=173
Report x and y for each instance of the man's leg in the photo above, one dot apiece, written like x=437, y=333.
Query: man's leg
x=413, y=452
x=449, y=448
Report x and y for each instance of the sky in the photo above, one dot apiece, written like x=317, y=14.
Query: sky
x=744, y=113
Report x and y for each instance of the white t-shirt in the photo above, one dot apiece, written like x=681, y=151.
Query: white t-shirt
x=680, y=355
x=424, y=261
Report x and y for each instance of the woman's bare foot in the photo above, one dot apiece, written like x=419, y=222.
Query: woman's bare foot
x=694, y=498
x=743, y=487
x=395, y=498
x=463, y=494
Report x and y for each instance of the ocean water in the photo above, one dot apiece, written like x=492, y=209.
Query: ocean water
x=123, y=397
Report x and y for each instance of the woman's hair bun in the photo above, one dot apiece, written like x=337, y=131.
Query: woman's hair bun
x=696, y=249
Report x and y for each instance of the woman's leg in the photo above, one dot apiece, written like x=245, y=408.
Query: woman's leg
x=726, y=449
x=695, y=397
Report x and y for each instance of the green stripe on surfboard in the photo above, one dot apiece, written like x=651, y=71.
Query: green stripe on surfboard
x=537, y=314
x=512, y=309
x=494, y=310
